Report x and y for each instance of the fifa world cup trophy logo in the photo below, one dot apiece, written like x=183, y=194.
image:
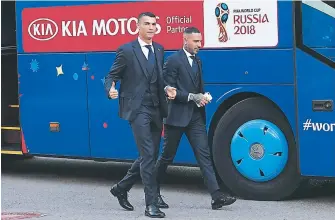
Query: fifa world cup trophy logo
x=221, y=13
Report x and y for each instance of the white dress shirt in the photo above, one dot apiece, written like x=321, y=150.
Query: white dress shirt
x=190, y=60
x=144, y=49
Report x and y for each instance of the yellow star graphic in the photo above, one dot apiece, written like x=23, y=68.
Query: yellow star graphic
x=59, y=70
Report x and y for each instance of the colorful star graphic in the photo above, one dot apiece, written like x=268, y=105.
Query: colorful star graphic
x=34, y=65
x=85, y=66
x=59, y=70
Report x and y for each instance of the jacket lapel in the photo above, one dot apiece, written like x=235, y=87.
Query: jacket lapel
x=187, y=65
x=157, y=52
x=200, y=73
x=159, y=61
x=140, y=57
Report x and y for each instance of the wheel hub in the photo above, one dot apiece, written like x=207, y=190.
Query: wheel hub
x=256, y=151
x=259, y=150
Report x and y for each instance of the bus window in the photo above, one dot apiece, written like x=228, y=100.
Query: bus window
x=330, y=3
x=315, y=29
x=318, y=25
x=8, y=26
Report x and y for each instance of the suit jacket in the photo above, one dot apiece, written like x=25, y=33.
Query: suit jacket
x=177, y=72
x=129, y=67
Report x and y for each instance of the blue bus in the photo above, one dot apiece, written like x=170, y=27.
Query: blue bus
x=269, y=67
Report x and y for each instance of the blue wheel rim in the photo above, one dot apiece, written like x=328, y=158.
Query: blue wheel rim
x=259, y=150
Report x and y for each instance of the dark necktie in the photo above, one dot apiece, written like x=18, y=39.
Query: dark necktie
x=194, y=66
x=151, y=59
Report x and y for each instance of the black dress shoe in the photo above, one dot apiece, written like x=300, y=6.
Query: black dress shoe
x=222, y=200
x=161, y=204
x=153, y=211
x=122, y=196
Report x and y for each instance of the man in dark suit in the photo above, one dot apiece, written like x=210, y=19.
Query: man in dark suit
x=138, y=65
x=186, y=113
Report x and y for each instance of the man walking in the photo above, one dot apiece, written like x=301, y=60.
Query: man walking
x=186, y=113
x=138, y=65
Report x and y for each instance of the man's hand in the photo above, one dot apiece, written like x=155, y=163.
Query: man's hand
x=199, y=99
x=113, y=93
x=171, y=92
x=208, y=96
x=203, y=102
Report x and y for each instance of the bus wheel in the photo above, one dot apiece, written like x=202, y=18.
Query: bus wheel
x=254, y=151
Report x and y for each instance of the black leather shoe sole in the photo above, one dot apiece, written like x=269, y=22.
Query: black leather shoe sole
x=163, y=206
x=161, y=215
x=217, y=206
x=220, y=205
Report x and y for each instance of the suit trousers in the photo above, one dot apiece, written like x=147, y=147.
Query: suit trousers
x=197, y=136
x=147, y=129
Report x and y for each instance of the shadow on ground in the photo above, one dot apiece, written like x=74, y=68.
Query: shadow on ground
x=92, y=172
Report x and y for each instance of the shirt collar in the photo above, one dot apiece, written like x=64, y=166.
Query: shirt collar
x=187, y=53
x=142, y=43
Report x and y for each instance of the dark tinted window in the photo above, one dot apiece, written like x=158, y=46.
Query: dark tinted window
x=8, y=26
x=317, y=41
x=330, y=3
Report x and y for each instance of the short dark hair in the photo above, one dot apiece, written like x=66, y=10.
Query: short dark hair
x=191, y=30
x=149, y=14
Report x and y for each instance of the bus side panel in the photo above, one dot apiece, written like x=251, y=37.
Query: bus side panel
x=315, y=81
x=248, y=66
x=111, y=136
x=285, y=101
x=53, y=89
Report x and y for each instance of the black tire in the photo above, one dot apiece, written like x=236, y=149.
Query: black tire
x=278, y=188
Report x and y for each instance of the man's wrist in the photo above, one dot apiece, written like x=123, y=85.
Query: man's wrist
x=190, y=97
x=166, y=88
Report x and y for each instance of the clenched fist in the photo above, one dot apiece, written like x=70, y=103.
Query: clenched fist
x=171, y=92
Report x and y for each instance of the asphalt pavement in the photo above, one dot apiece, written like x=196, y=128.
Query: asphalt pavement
x=54, y=189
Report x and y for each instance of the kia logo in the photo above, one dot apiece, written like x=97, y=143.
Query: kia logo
x=43, y=29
